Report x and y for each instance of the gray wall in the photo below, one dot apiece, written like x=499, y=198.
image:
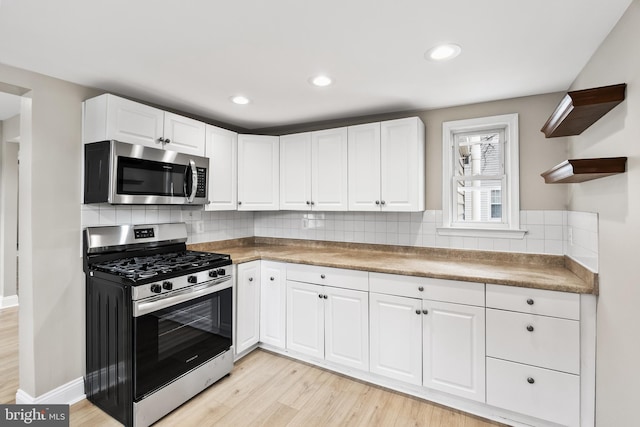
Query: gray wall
x=8, y=205
x=51, y=284
x=617, y=201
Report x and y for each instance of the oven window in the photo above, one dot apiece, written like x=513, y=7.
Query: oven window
x=174, y=340
x=149, y=178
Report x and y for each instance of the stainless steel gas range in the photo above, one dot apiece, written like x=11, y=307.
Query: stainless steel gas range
x=159, y=320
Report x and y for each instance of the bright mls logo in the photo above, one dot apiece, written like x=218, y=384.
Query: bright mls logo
x=34, y=415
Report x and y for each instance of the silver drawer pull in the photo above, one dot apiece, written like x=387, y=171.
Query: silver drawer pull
x=322, y=276
x=529, y=301
x=529, y=328
x=531, y=380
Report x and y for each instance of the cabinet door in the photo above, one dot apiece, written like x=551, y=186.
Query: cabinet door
x=248, y=306
x=329, y=170
x=222, y=151
x=305, y=319
x=454, y=348
x=183, y=134
x=396, y=337
x=402, y=165
x=295, y=172
x=273, y=303
x=129, y=121
x=258, y=173
x=347, y=327
x=364, y=167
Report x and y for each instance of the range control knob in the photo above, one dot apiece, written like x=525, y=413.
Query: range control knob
x=213, y=273
x=192, y=279
x=156, y=288
x=167, y=285
x=221, y=272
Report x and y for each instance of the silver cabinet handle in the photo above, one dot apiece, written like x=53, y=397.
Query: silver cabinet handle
x=308, y=203
x=421, y=288
x=251, y=279
x=531, y=380
x=529, y=328
x=160, y=140
x=325, y=296
x=383, y=203
x=377, y=202
x=418, y=311
x=272, y=279
x=425, y=311
x=320, y=296
x=322, y=276
x=167, y=140
x=239, y=202
x=529, y=301
x=313, y=203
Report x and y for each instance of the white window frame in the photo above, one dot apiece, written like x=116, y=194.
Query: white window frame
x=510, y=227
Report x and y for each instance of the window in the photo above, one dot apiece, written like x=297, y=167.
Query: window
x=480, y=177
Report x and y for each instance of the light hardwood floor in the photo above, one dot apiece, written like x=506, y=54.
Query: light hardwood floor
x=264, y=389
x=8, y=354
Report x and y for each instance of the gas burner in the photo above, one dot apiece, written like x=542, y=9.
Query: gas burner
x=143, y=267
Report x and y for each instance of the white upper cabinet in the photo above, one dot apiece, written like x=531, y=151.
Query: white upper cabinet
x=402, y=148
x=364, y=167
x=258, y=173
x=111, y=117
x=313, y=170
x=222, y=151
x=386, y=166
x=184, y=135
x=295, y=172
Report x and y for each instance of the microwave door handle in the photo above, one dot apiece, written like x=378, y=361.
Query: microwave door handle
x=194, y=181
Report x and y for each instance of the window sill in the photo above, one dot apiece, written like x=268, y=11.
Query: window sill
x=482, y=232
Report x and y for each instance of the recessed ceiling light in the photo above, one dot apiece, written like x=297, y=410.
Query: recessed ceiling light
x=443, y=52
x=321, y=80
x=240, y=100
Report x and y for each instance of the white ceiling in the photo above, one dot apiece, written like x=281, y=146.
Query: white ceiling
x=193, y=55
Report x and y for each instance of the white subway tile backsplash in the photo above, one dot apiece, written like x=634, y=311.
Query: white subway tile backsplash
x=548, y=232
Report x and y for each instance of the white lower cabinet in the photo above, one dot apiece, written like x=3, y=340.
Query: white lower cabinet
x=273, y=302
x=396, y=337
x=247, y=306
x=328, y=323
x=533, y=391
x=534, y=353
x=454, y=348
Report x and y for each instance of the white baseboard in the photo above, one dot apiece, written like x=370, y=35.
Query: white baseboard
x=10, y=301
x=67, y=394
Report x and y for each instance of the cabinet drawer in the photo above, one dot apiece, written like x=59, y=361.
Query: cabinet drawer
x=534, y=301
x=338, y=277
x=542, y=341
x=541, y=393
x=455, y=291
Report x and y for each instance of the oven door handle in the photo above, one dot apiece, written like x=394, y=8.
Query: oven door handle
x=140, y=308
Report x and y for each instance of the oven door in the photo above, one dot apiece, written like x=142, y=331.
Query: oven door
x=175, y=334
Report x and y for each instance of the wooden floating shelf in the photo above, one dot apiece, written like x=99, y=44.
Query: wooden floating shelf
x=581, y=108
x=580, y=170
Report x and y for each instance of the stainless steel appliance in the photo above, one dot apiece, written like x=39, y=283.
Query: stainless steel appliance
x=159, y=320
x=121, y=173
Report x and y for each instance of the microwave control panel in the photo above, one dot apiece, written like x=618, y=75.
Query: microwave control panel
x=201, y=191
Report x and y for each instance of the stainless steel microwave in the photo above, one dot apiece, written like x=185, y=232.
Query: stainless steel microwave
x=121, y=173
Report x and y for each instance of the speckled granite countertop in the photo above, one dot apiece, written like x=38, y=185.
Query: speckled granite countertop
x=551, y=272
